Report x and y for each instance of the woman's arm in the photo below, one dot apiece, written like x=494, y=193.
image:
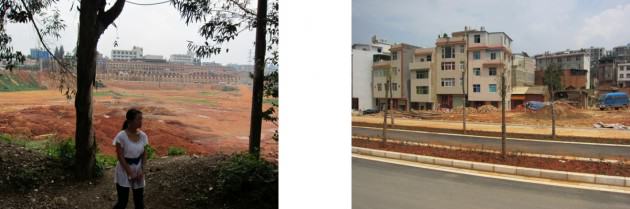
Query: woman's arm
x=122, y=161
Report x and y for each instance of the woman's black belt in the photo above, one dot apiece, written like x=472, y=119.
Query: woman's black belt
x=133, y=161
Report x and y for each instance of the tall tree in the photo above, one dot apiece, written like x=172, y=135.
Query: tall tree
x=93, y=20
x=222, y=22
x=503, y=104
x=551, y=79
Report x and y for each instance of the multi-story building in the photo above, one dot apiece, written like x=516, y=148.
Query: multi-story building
x=363, y=57
x=621, y=54
x=134, y=53
x=574, y=64
x=450, y=60
x=595, y=53
x=623, y=75
x=398, y=69
x=523, y=68
x=182, y=59
x=423, y=72
x=490, y=58
x=606, y=73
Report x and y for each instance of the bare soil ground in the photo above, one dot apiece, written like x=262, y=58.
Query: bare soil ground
x=197, y=118
x=613, y=169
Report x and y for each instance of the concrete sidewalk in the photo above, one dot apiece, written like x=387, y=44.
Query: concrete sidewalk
x=518, y=131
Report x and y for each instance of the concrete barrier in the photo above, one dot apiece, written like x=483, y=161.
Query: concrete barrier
x=610, y=180
x=425, y=159
x=462, y=164
x=392, y=155
x=581, y=177
x=557, y=175
x=483, y=167
x=409, y=157
x=531, y=172
x=506, y=169
x=377, y=153
x=443, y=161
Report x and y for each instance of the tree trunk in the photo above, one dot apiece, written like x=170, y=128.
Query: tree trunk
x=385, y=115
x=86, y=69
x=259, y=73
x=389, y=101
x=464, y=106
x=553, y=116
x=503, y=95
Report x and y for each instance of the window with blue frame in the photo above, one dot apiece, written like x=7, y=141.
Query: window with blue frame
x=492, y=88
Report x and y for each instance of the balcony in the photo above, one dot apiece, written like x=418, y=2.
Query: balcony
x=419, y=65
x=382, y=64
x=450, y=41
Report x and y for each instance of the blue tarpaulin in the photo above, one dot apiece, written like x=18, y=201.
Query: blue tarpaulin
x=534, y=105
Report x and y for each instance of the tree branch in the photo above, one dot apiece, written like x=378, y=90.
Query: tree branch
x=41, y=40
x=110, y=15
x=239, y=5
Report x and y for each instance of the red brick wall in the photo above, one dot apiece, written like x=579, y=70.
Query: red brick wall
x=567, y=79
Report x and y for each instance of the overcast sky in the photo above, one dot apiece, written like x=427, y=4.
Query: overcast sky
x=159, y=30
x=535, y=26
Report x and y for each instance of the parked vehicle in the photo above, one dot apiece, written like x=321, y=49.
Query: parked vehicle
x=370, y=111
x=613, y=100
x=534, y=105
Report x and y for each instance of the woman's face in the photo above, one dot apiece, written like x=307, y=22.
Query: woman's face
x=137, y=122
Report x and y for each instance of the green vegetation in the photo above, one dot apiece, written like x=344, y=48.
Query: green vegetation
x=272, y=101
x=174, y=151
x=207, y=93
x=115, y=94
x=15, y=82
x=150, y=151
x=244, y=181
x=200, y=101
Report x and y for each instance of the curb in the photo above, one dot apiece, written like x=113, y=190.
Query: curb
x=497, y=168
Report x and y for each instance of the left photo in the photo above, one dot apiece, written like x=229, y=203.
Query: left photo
x=143, y=104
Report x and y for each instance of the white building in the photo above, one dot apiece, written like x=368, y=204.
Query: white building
x=181, y=58
x=134, y=53
x=363, y=56
x=623, y=75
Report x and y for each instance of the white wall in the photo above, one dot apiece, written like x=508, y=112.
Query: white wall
x=362, y=78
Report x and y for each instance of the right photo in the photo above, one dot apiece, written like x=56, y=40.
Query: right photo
x=490, y=104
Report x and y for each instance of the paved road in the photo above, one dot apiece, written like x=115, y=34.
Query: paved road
x=513, y=145
x=378, y=185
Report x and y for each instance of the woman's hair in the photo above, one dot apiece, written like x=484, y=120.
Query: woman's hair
x=131, y=115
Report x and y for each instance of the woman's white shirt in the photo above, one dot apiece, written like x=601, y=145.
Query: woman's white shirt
x=130, y=149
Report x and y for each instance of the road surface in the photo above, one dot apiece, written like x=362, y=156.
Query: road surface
x=578, y=149
x=378, y=185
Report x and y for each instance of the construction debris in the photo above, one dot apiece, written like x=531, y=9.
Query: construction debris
x=487, y=109
x=617, y=126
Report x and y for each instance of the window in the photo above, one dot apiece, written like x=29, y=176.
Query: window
x=477, y=38
x=477, y=71
x=421, y=59
x=620, y=75
x=461, y=65
x=567, y=59
x=428, y=58
x=380, y=87
x=628, y=75
x=461, y=49
x=422, y=90
x=492, y=71
x=395, y=55
x=448, y=52
x=476, y=55
x=395, y=71
x=448, y=65
x=476, y=88
x=492, y=88
x=559, y=60
x=577, y=58
x=386, y=87
x=394, y=86
x=493, y=55
x=422, y=74
x=448, y=82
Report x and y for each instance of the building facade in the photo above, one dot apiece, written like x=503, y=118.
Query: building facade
x=423, y=72
x=181, y=58
x=621, y=54
x=134, y=53
x=363, y=57
x=398, y=68
x=523, y=68
x=575, y=64
x=623, y=75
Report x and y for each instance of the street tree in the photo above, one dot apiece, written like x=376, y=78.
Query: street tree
x=552, y=80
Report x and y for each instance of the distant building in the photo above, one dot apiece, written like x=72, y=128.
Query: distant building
x=523, y=68
x=401, y=55
x=181, y=59
x=153, y=57
x=576, y=66
x=363, y=57
x=621, y=54
x=623, y=75
x=134, y=53
x=39, y=54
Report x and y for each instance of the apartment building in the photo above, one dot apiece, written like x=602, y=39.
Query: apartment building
x=574, y=63
x=450, y=61
x=623, y=77
x=523, y=68
x=398, y=68
x=363, y=57
x=423, y=70
x=134, y=53
x=621, y=54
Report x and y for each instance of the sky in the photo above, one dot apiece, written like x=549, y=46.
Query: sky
x=158, y=29
x=535, y=26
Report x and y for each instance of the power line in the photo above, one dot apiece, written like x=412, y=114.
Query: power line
x=147, y=4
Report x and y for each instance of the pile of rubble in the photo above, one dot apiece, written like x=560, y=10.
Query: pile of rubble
x=563, y=111
x=459, y=109
x=618, y=126
x=487, y=109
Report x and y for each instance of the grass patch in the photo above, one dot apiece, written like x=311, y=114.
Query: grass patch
x=207, y=93
x=15, y=82
x=199, y=101
x=174, y=151
x=273, y=101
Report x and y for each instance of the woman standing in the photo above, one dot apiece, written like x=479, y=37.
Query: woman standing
x=132, y=158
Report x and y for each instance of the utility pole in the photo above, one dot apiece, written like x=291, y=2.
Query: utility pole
x=503, y=95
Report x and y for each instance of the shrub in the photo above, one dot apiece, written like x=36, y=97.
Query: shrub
x=242, y=181
x=150, y=151
x=172, y=151
x=63, y=151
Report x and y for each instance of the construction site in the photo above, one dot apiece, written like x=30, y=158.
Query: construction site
x=202, y=118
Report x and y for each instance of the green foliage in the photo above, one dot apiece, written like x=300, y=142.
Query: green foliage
x=229, y=88
x=149, y=151
x=173, y=151
x=243, y=181
x=12, y=82
x=63, y=150
x=552, y=76
x=206, y=93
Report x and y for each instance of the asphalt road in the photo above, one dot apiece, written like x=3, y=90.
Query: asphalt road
x=513, y=145
x=378, y=185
